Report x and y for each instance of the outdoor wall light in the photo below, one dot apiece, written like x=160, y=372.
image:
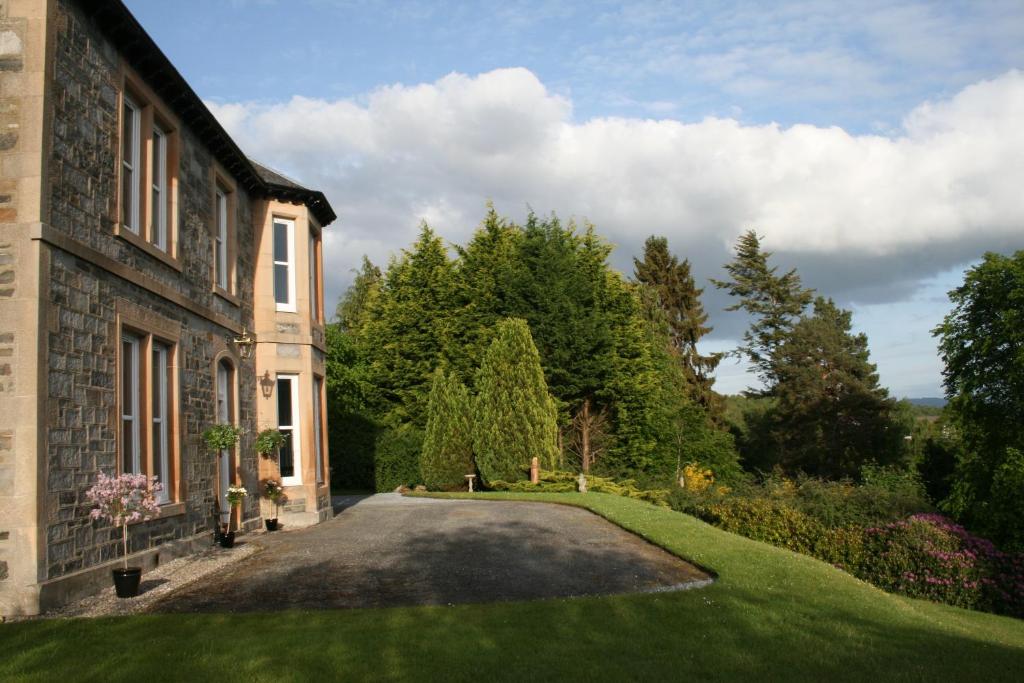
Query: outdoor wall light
x=245, y=344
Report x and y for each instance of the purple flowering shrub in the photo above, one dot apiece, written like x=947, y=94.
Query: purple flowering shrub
x=928, y=556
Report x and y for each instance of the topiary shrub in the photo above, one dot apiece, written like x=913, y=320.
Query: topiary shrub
x=514, y=418
x=447, y=455
x=397, y=457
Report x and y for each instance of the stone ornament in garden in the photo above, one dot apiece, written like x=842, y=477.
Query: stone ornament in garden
x=121, y=501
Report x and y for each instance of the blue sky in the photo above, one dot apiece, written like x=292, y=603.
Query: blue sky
x=876, y=145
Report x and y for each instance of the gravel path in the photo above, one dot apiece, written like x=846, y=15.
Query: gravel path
x=388, y=550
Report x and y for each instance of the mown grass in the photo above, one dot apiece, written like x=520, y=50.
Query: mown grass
x=771, y=615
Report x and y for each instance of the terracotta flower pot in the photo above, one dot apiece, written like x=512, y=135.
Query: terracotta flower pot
x=126, y=581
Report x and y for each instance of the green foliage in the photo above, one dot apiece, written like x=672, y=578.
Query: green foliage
x=221, y=437
x=832, y=416
x=404, y=335
x=351, y=415
x=447, y=455
x=269, y=442
x=397, y=457
x=568, y=482
x=355, y=305
x=678, y=298
x=514, y=417
x=774, y=301
x=1007, y=503
x=982, y=344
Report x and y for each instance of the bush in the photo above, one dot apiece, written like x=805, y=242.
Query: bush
x=928, y=556
x=567, y=482
x=447, y=455
x=397, y=461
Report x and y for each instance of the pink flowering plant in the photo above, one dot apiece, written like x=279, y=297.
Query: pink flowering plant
x=124, y=499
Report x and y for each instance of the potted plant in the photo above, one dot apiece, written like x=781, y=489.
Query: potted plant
x=274, y=492
x=219, y=438
x=122, y=500
x=269, y=442
x=236, y=494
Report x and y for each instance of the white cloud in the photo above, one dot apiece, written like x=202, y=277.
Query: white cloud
x=854, y=212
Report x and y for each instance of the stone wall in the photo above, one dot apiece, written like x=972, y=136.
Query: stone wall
x=82, y=301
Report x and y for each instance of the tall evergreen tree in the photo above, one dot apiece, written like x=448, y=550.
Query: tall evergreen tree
x=774, y=301
x=404, y=338
x=447, y=455
x=514, y=418
x=354, y=306
x=678, y=297
x=832, y=416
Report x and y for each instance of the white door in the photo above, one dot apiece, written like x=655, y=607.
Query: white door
x=224, y=417
x=289, y=458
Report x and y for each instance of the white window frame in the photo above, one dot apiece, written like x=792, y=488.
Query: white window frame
x=161, y=428
x=318, y=449
x=130, y=218
x=130, y=404
x=221, y=239
x=293, y=431
x=158, y=231
x=288, y=306
x=226, y=388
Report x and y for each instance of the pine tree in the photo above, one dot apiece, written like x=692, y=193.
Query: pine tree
x=405, y=334
x=832, y=416
x=355, y=304
x=774, y=301
x=447, y=455
x=679, y=299
x=514, y=418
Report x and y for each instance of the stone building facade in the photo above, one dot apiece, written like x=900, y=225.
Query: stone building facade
x=153, y=281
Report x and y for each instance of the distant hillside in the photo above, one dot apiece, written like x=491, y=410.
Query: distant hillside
x=930, y=402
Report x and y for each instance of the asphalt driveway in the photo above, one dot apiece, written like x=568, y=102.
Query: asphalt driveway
x=386, y=550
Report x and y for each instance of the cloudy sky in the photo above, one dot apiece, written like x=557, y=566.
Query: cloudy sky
x=877, y=146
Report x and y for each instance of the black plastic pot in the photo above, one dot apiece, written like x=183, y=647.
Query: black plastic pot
x=227, y=540
x=126, y=581
x=271, y=524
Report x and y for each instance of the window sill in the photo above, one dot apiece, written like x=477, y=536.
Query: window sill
x=281, y=308
x=227, y=296
x=166, y=510
x=138, y=241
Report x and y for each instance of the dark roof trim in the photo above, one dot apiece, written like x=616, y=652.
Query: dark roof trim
x=153, y=66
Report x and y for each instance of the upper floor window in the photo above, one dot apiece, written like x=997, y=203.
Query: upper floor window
x=158, y=184
x=130, y=150
x=220, y=239
x=314, y=277
x=284, y=264
x=148, y=172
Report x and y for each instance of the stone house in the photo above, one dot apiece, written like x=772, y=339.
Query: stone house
x=153, y=281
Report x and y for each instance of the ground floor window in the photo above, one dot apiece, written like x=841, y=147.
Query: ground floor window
x=289, y=457
x=146, y=397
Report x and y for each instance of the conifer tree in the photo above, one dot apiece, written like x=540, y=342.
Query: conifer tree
x=355, y=304
x=832, y=416
x=678, y=297
x=404, y=337
x=774, y=301
x=447, y=455
x=514, y=418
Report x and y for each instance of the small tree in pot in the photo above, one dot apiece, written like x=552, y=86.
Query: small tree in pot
x=122, y=500
x=235, y=496
x=274, y=492
x=218, y=439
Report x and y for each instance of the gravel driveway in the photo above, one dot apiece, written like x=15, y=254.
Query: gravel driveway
x=386, y=550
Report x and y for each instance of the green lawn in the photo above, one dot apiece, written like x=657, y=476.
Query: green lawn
x=772, y=614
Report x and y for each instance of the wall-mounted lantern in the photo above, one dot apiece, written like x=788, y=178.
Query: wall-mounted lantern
x=245, y=344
